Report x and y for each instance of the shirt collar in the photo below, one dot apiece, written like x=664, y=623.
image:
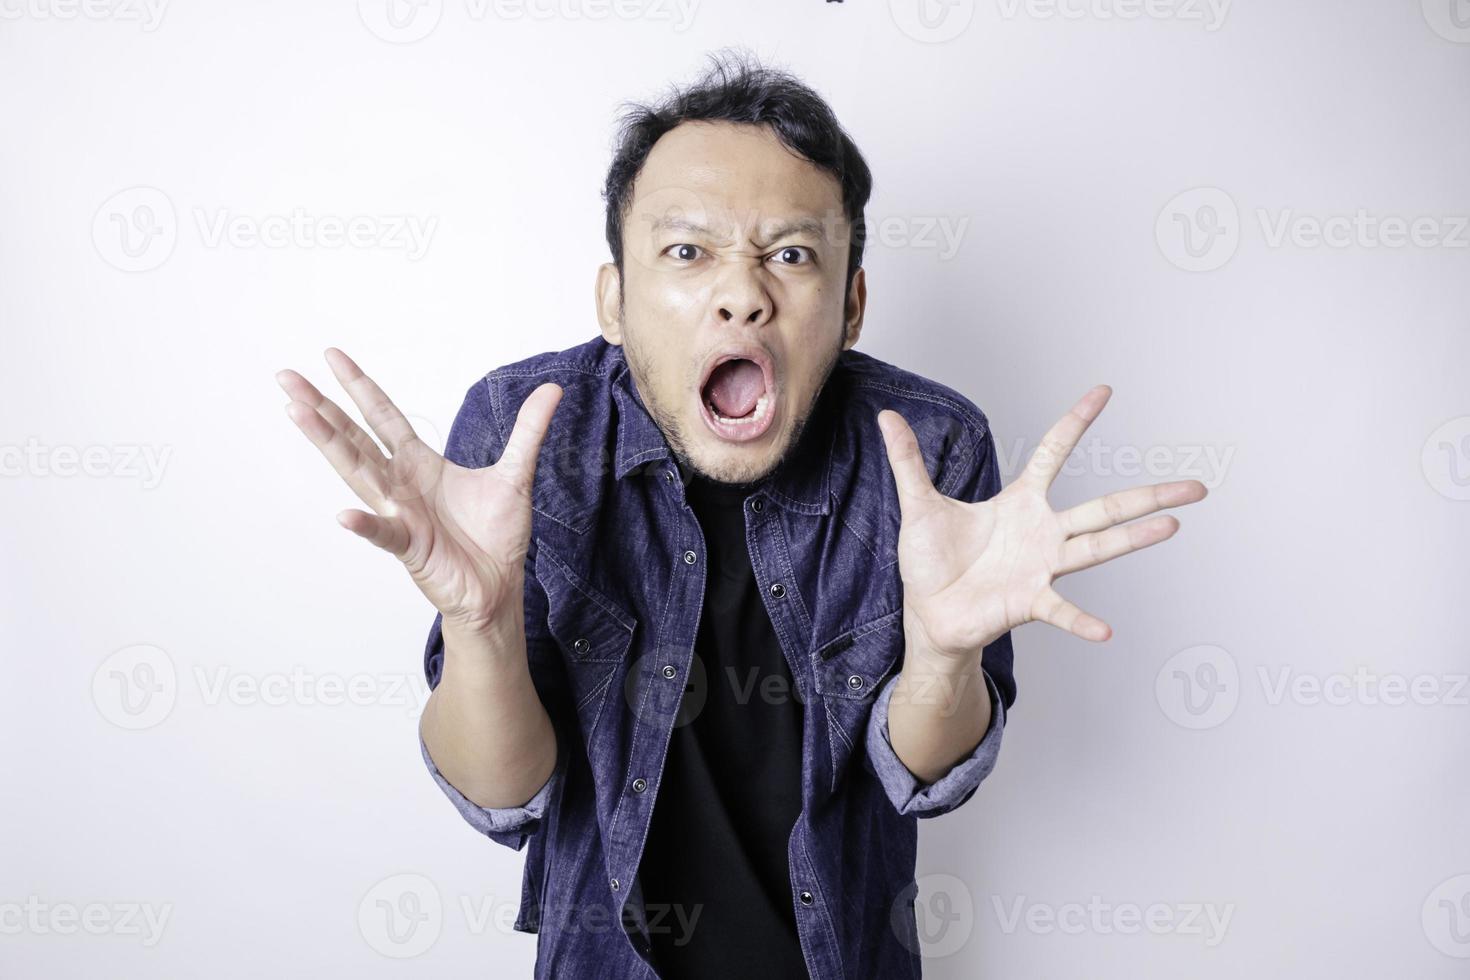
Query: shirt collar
x=802, y=483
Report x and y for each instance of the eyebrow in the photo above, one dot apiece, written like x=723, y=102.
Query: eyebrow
x=794, y=226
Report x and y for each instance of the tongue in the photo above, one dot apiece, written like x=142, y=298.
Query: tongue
x=735, y=386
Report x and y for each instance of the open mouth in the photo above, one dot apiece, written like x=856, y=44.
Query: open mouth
x=738, y=396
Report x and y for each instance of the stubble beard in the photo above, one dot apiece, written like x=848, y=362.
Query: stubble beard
x=668, y=422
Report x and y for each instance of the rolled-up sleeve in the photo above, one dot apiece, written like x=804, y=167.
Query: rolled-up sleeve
x=908, y=794
x=510, y=826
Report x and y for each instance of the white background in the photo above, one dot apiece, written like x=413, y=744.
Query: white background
x=1326, y=383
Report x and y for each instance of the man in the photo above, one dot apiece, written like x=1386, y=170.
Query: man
x=723, y=603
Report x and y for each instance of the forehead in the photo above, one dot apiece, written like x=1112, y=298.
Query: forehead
x=721, y=172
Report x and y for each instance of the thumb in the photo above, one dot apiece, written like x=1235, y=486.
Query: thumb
x=518, y=462
x=905, y=459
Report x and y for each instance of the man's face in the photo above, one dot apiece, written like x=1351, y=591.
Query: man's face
x=732, y=245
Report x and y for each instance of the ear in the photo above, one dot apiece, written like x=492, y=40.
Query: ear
x=609, y=295
x=857, y=302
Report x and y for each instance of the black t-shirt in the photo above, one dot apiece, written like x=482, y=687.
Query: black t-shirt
x=715, y=879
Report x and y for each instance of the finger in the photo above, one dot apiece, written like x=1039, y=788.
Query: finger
x=1125, y=505
x=1046, y=462
x=387, y=533
x=518, y=462
x=359, y=474
x=905, y=458
x=1052, y=608
x=302, y=390
x=1087, y=550
x=377, y=408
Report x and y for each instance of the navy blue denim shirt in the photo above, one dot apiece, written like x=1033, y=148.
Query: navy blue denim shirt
x=613, y=588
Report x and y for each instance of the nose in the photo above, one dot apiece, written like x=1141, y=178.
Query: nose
x=741, y=298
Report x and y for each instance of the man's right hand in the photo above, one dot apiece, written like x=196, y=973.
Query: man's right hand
x=461, y=533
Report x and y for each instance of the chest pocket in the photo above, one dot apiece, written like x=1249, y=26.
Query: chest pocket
x=848, y=671
x=592, y=631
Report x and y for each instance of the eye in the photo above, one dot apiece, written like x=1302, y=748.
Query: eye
x=793, y=255
x=683, y=251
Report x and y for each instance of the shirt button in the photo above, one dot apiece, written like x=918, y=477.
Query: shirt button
x=855, y=682
x=640, y=784
x=581, y=645
x=777, y=589
x=806, y=897
x=669, y=671
x=757, y=505
x=689, y=557
x=615, y=885
x=668, y=476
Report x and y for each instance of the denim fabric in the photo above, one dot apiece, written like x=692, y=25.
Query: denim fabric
x=614, y=584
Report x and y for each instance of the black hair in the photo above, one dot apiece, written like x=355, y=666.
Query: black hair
x=737, y=88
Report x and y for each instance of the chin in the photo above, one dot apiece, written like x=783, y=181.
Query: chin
x=724, y=462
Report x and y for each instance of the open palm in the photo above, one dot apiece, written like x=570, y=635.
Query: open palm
x=972, y=571
x=462, y=533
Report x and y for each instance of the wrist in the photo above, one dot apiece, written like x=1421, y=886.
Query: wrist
x=926, y=658
x=472, y=651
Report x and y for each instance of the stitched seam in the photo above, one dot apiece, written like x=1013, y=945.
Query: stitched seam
x=925, y=396
x=624, y=618
x=662, y=624
x=497, y=408
x=855, y=533
x=842, y=735
x=826, y=917
x=578, y=529
x=776, y=621
x=496, y=414
x=977, y=429
x=957, y=465
x=599, y=689
x=510, y=372
x=961, y=461
x=859, y=631
x=804, y=621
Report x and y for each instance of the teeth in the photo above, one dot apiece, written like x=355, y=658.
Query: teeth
x=762, y=406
